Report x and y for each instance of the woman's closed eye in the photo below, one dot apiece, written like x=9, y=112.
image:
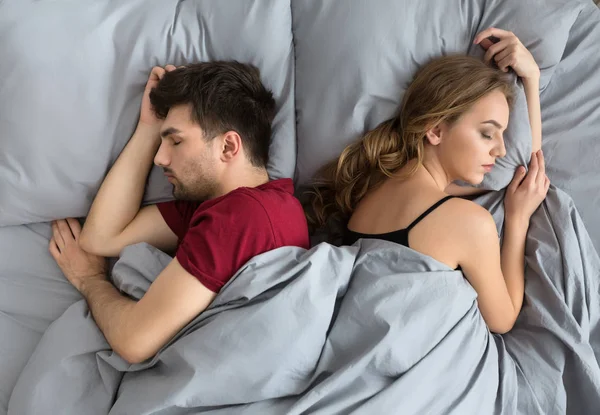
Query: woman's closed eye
x=486, y=136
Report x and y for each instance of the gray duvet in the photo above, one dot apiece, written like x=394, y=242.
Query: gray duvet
x=372, y=328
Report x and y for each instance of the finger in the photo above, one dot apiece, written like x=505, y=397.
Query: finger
x=547, y=184
x=53, y=248
x=157, y=73
x=517, y=179
x=502, y=54
x=533, y=171
x=65, y=231
x=170, y=68
x=495, y=48
x=492, y=31
x=60, y=242
x=486, y=43
x=542, y=160
x=75, y=227
x=542, y=167
x=506, y=62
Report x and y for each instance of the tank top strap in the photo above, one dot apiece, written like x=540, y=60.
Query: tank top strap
x=427, y=212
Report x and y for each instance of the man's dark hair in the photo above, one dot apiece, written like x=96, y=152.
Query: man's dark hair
x=224, y=96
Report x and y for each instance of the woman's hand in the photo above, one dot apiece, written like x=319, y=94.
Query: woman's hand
x=527, y=190
x=508, y=52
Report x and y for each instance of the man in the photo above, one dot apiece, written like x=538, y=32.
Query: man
x=208, y=126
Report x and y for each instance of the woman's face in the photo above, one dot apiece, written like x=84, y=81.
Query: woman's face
x=468, y=149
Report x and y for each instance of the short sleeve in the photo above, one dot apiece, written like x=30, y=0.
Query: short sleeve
x=221, y=239
x=178, y=214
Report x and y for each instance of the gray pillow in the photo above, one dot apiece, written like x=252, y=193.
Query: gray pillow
x=355, y=59
x=72, y=78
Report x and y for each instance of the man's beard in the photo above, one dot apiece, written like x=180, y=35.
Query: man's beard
x=196, y=192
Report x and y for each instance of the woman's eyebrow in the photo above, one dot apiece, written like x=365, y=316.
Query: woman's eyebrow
x=494, y=122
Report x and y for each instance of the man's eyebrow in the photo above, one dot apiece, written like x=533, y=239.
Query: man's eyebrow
x=494, y=122
x=169, y=131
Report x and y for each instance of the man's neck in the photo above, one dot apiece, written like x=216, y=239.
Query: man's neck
x=251, y=177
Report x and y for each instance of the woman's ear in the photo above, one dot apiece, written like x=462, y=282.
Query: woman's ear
x=434, y=135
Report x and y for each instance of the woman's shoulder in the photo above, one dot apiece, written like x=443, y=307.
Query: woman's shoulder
x=469, y=220
x=453, y=230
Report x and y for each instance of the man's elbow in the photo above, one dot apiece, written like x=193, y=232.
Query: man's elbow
x=133, y=352
x=96, y=246
x=86, y=242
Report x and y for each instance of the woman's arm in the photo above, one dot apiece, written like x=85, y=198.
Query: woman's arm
x=513, y=260
x=532, y=94
x=510, y=52
x=497, y=275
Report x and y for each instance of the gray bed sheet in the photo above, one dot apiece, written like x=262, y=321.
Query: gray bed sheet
x=370, y=328
x=33, y=293
x=571, y=119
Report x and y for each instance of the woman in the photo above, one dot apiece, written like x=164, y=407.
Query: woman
x=395, y=183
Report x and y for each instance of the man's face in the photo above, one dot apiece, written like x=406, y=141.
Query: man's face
x=190, y=162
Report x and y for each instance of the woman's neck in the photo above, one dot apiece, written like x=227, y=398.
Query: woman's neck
x=435, y=173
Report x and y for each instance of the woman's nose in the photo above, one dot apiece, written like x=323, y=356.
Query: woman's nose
x=499, y=149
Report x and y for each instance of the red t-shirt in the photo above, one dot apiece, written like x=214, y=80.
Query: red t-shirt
x=218, y=236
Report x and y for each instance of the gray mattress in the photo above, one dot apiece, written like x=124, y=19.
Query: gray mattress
x=70, y=96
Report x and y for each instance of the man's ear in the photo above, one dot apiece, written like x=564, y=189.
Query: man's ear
x=434, y=135
x=231, y=145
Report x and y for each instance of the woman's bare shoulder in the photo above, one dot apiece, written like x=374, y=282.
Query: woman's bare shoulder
x=453, y=230
x=469, y=220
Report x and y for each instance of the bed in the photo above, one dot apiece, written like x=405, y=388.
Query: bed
x=71, y=84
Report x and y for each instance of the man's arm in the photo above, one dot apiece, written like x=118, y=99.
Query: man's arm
x=137, y=330
x=119, y=198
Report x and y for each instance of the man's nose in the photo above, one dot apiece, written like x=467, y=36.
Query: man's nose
x=163, y=156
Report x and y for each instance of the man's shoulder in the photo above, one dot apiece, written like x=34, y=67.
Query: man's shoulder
x=279, y=187
x=276, y=193
x=271, y=201
x=240, y=206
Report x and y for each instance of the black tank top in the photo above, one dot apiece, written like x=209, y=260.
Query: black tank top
x=400, y=236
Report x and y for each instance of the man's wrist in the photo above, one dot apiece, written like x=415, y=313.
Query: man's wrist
x=89, y=284
x=148, y=131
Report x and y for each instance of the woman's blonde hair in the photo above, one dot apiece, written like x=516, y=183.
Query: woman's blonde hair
x=442, y=91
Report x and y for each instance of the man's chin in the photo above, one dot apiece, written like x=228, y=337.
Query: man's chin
x=178, y=194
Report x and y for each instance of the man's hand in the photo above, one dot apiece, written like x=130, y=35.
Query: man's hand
x=147, y=116
x=77, y=265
